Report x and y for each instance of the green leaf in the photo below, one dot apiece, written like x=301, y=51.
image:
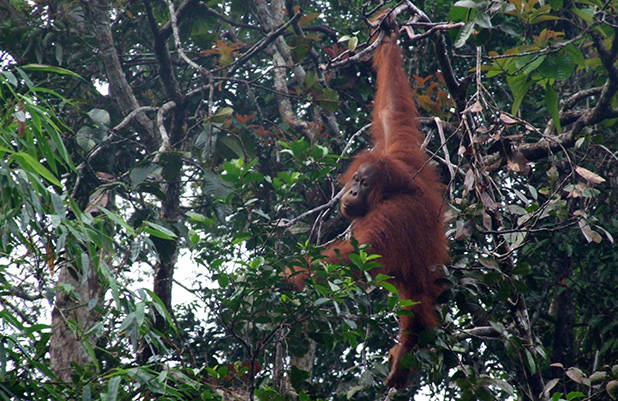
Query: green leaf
x=10, y=77
x=328, y=99
x=406, y=303
x=551, y=102
x=321, y=301
x=342, y=39
x=352, y=43
x=50, y=68
x=545, y=17
x=299, y=147
x=160, y=307
x=232, y=144
x=466, y=4
x=350, y=323
x=223, y=279
x=268, y=394
x=117, y=219
x=112, y=388
x=199, y=218
x=241, y=237
x=530, y=63
x=383, y=277
x=483, y=20
x=58, y=204
x=141, y=173
x=530, y=362
x=139, y=313
x=87, y=393
x=29, y=163
x=88, y=137
x=388, y=287
x=6, y=150
x=576, y=55
x=128, y=322
x=172, y=165
x=519, y=86
x=464, y=34
x=355, y=259
x=557, y=66
x=461, y=14
x=222, y=114
x=158, y=231
x=52, y=131
x=99, y=116
x=556, y=4
x=587, y=14
x=298, y=377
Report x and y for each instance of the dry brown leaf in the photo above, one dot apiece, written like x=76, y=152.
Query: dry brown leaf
x=468, y=182
x=507, y=119
x=550, y=385
x=487, y=201
x=477, y=107
x=589, y=233
x=557, y=365
x=589, y=175
x=575, y=374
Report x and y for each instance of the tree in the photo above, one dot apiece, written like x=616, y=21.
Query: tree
x=135, y=132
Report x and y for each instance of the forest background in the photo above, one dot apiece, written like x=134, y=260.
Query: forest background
x=136, y=132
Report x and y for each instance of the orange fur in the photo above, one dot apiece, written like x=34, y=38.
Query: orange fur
x=403, y=223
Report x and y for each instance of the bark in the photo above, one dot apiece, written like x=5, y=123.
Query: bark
x=72, y=318
x=171, y=213
x=529, y=378
x=564, y=313
x=97, y=13
x=271, y=17
x=167, y=251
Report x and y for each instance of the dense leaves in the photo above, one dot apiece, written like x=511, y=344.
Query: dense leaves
x=158, y=174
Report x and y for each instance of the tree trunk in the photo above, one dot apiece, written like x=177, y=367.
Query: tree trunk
x=73, y=314
x=564, y=316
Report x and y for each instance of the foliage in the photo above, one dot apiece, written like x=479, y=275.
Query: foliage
x=203, y=177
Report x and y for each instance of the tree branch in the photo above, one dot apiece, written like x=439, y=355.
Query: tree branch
x=181, y=52
x=481, y=331
x=281, y=59
x=97, y=13
x=182, y=10
x=165, y=139
x=166, y=71
x=224, y=18
x=272, y=36
x=127, y=119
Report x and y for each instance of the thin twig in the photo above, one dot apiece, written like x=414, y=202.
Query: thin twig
x=349, y=143
x=435, y=28
x=268, y=39
x=301, y=216
x=179, y=48
x=447, y=157
x=165, y=139
x=338, y=62
x=125, y=121
x=547, y=50
x=612, y=154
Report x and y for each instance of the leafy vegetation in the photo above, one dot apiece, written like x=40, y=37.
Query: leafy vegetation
x=158, y=174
